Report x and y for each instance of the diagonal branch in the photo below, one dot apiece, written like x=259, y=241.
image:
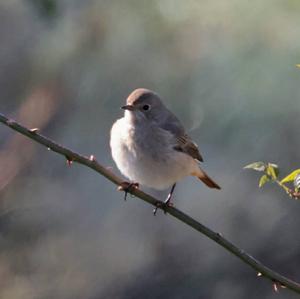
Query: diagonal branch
x=71, y=156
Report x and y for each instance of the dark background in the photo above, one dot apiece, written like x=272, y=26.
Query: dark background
x=226, y=68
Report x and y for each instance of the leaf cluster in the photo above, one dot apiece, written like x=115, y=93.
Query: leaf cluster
x=271, y=174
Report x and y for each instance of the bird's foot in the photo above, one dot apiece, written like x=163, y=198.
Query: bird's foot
x=166, y=203
x=163, y=205
x=127, y=187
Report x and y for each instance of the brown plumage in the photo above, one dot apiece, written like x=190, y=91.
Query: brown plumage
x=186, y=145
x=202, y=176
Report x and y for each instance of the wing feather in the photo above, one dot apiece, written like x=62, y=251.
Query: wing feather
x=183, y=142
x=186, y=145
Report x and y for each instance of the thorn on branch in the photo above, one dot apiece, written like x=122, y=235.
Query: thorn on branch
x=10, y=122
x=275, y=287
x=69, y=161
x=34, y=130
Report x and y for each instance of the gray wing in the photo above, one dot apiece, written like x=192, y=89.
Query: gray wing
x=183, y=142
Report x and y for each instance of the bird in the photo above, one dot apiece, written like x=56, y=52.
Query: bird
x=151, y=147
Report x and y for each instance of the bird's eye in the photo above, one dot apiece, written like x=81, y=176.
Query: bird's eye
x=146, y=107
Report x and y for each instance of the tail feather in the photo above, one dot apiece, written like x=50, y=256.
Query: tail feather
x=201, y=175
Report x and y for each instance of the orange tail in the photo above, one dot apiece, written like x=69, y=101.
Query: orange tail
x=201, y=175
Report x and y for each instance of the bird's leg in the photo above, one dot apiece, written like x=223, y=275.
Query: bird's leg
x=168, y=199
x=167, y=202
x=127, y=187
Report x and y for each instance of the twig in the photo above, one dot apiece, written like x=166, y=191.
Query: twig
x=91, y=162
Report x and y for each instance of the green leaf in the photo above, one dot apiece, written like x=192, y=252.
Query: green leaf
x=264, y=179
x=290, y=177
x=272, y=170
x=258, y=166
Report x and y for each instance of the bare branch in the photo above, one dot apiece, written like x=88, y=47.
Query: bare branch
x=71, y=156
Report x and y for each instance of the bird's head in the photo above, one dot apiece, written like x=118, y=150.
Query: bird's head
x=143, y=104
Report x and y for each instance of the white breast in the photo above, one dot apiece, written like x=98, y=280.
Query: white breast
x=146, y=159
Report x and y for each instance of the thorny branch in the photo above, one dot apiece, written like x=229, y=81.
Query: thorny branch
x=71, y=156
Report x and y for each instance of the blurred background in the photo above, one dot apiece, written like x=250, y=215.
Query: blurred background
x=226, y=68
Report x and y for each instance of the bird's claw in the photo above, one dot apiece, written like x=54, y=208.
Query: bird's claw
x=165, y=204
x=127, y=187
x=162, y=205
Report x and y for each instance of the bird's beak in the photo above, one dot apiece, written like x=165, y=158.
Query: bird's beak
x=128, y=107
